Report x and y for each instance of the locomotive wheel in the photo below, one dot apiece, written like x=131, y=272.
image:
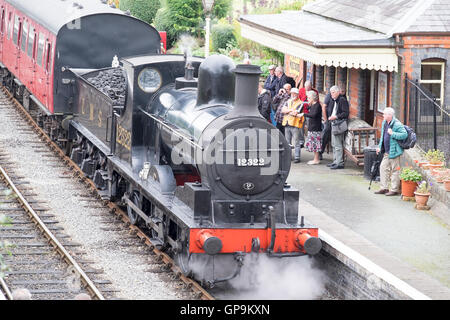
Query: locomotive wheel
x=183, y=260
x=132, y=215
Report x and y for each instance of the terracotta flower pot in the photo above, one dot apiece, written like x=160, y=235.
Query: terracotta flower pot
x=437, y=171
x=435, y=165
x=408, y=188
x=422, y=163
x=421, y=198
x=447, y=185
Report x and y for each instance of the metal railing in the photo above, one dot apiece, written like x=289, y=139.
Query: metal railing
x=429, y=120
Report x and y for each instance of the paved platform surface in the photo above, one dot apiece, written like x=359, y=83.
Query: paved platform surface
x=411, y=244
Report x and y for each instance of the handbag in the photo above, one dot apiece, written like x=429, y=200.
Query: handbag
x=339, y=126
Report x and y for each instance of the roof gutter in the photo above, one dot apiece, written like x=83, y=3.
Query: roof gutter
x=318, y=45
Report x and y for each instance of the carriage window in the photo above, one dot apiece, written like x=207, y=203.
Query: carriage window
x=41, y=47
x=49, y=57
x=3, y=21
x=9, y=26
x=31, y=43
x=24, y=36
x=16, y=31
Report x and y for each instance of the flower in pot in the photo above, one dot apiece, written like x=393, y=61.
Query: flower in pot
x=422, y=193
x=435, y=158
x=410, y=178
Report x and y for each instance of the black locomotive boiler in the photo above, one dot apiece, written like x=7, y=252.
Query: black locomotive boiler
x=182, y=144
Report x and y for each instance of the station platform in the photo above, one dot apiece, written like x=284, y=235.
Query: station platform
x=413, y=245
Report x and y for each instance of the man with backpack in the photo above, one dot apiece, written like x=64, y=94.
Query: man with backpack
x=392, y=131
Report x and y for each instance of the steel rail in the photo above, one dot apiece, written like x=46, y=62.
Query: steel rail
x=49, y=235
x=5, y=289
x=114, y=209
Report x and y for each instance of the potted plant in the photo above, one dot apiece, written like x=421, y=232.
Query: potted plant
x=409, y=178
x=435, y=158
x=422, y=193
x=438, y=171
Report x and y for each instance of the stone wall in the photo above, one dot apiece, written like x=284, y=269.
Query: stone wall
x=349, y=281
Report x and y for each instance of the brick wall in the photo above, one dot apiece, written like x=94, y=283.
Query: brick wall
x=353, y=92
x=418, y=48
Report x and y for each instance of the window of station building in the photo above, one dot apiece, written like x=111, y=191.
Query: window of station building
x=31, y=42
x=40, y=50
x=432, y=78
x=24, y=36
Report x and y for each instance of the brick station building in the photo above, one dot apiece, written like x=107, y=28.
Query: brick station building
x=366, y=47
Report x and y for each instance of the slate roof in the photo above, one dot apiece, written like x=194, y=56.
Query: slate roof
x=316, y=30
x=350, y=23
x=435, y=19
x=387, y=16
x=376, y=15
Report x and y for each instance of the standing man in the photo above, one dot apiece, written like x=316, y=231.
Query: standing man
x=281, y=79
x=337, y=109
x=391, y=131
x=293, y=122
x=278, y=103
x=271, y=81
x=270, y=84
x=326, y=131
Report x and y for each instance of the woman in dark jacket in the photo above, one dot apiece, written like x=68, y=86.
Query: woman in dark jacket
x=314, y=141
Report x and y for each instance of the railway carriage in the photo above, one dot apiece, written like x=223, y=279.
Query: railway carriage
x=177, y=140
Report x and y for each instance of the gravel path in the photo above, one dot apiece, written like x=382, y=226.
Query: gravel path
x=120, y=255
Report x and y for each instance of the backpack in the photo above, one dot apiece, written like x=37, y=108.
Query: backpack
x=410, y=140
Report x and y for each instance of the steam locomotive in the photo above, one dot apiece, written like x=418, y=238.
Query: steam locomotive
x=177, y=140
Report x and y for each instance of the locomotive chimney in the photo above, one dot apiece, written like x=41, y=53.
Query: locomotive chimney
x=246, y=96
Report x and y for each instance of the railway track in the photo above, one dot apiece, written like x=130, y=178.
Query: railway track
x=38, y=260
x=163, y=262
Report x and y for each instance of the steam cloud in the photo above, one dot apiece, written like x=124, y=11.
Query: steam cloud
x=264, y=278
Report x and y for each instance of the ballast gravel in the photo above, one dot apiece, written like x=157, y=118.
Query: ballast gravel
x=123, y=259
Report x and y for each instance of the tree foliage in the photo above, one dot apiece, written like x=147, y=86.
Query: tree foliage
x=178, y=17
x=222, y=36
x=142, y=9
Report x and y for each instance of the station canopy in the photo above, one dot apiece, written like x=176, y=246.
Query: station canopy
x=343, y=33
x=321, y=41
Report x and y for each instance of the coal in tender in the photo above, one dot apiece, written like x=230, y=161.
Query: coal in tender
x=111, y=82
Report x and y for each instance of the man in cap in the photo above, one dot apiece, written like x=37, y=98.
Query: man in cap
x=270, y=83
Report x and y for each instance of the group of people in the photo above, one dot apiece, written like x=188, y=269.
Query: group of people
x=296, y=111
